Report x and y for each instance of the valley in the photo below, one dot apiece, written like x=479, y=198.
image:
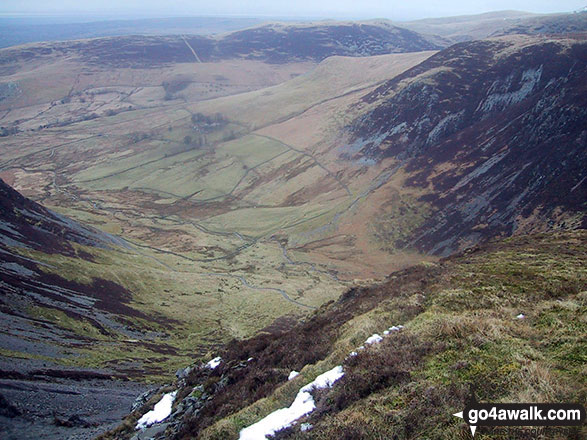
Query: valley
x=224, y=225
x=182, y=193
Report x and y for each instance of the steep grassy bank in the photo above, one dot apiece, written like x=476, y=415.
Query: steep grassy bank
x=462, y=327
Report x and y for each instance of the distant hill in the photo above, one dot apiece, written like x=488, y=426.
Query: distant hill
x=476, y=27
x=273, y=43
x=574, y=23
x=19, y=31
x=317, y=41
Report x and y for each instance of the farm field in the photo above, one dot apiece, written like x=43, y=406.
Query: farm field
x=230, y=219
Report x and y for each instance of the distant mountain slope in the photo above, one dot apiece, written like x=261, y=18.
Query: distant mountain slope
x=15, y=31
x=477, y=27
x=549, y=25
x=282, y=42
x=273, y=43
x=493, y=134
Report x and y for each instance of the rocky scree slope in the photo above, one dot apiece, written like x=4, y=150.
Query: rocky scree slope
x=46, y=316
x=29, y=231
x=493, y=134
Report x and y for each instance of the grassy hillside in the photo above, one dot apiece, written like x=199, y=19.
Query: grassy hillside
x=463, y=326
x=200, y=201
x=243, y=208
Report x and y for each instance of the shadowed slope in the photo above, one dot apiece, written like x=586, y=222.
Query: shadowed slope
x=493, y=132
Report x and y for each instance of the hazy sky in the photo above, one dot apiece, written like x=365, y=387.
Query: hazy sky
x=393, y=9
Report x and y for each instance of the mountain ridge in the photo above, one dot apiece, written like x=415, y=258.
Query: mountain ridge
x=273, y=43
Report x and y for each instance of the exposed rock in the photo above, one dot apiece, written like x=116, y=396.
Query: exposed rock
x=493, y=132
x=7, y=409
x=182, y=373
x=72, y=421
x=143, y=398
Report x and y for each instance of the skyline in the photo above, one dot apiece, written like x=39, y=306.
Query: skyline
x=416, y=9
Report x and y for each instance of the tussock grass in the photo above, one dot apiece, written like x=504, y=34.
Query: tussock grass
x=461, y=329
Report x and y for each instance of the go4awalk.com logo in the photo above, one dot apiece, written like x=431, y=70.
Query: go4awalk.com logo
x=521, y=414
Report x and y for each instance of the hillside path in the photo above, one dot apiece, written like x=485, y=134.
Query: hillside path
x=191, y=48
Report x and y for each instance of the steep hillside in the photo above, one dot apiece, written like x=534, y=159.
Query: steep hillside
x=25, y=223
x=493, y=135
x=48, y=319
x=250, y=185
x=506, y=317
x=27, y=228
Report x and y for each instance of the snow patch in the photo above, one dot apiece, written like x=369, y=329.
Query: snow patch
x=374, y=339
x=214, y=363
x=159, y=413
x=285, y=417
x=306, y=427
x=304, y=402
